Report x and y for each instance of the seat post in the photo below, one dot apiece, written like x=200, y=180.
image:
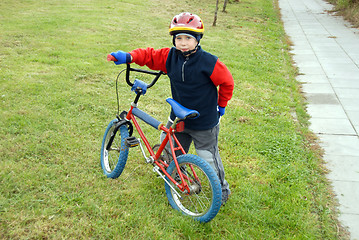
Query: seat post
x=175, y=122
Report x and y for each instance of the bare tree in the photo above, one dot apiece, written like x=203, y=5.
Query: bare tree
x=215, y=14
x=224, y=5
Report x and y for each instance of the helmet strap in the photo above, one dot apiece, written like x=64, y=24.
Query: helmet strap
x=187, y=53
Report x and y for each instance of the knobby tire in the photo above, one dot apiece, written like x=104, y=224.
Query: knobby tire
x=113, y=161
x=204, y=204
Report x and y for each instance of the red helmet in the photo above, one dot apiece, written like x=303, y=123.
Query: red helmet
x=186, y=23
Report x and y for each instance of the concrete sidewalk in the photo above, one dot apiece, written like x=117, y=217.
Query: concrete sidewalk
x=326, y=51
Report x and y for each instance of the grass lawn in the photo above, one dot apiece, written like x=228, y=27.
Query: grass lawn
x=349, y=9
x=58, y=95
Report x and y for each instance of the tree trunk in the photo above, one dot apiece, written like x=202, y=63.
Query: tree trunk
x=215, y=15
x=225, y=5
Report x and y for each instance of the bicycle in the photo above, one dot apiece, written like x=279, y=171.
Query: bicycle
x=191, y=184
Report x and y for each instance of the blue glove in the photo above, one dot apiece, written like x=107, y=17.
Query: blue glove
x=221, y=110
x=139, y=84
x=122, y=57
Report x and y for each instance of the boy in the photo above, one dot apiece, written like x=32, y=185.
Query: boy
x=194, y=75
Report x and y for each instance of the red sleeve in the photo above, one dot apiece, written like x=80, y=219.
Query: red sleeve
x=223, y=78
x=154, y=59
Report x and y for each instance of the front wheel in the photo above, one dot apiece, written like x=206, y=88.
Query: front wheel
x=114, y=151
x=204, y=200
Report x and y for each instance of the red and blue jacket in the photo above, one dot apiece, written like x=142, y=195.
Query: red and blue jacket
x=194, y=81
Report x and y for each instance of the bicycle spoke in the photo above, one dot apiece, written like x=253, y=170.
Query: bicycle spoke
x=113, y=157
x=196, y=202
x=201, y=199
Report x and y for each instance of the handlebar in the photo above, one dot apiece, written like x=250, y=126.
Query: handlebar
x=129, y=69
x=156, y=74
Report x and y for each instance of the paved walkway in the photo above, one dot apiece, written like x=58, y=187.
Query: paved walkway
x=326, y=52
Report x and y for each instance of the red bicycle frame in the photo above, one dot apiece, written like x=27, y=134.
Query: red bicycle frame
x=170, y=134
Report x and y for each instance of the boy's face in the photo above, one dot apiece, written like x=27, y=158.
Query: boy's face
x=185, y=43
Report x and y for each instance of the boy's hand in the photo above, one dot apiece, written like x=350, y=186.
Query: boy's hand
x=121, y=57
x=221, y=110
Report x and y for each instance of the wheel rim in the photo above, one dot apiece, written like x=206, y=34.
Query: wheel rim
x=110, y=160
x=195, y=204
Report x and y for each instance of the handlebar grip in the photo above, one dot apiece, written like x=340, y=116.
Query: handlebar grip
x=111, y=58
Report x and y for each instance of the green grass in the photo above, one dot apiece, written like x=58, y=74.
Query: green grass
x=58, y=95
x=349, y=9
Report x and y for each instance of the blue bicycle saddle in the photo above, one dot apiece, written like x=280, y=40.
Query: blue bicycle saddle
x=181, y=111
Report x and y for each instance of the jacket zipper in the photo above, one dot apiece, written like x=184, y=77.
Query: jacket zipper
x=184, y=63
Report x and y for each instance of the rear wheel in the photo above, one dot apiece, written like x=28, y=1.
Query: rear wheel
x=114, y=155
x=204, y=200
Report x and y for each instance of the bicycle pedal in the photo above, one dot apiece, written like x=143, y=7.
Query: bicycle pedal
x=132, y=142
